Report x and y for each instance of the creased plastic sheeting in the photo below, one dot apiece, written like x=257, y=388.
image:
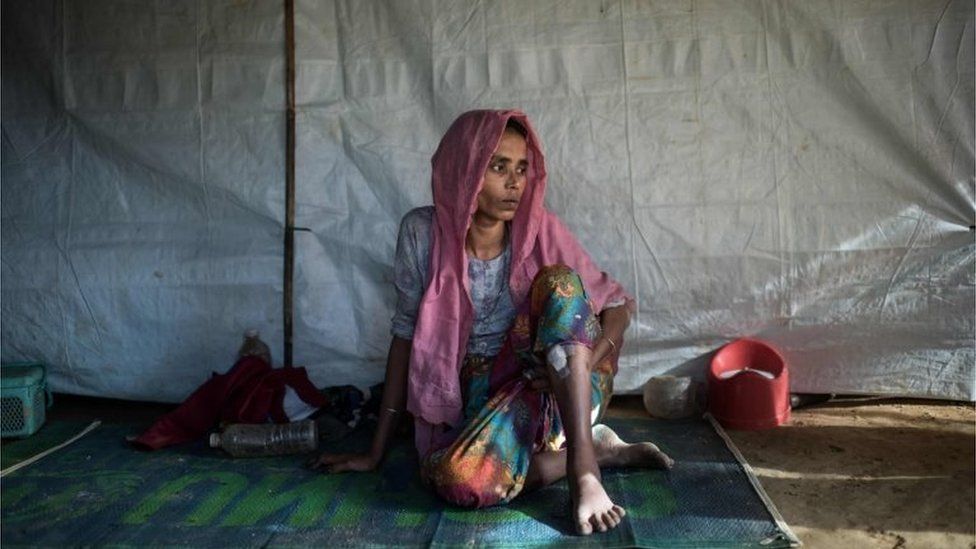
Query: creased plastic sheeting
x=142, y=209
x=797, y=171
x=802, y=172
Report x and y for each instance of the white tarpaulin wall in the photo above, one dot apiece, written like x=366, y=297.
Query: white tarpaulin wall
x=798, y=171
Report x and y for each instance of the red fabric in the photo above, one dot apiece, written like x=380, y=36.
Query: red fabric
x=250, y=392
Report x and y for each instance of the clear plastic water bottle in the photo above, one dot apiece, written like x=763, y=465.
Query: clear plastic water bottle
x=267, y=439
x=253, y=346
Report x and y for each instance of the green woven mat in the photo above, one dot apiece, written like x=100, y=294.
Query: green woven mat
x=98, y=491
x=15, y=450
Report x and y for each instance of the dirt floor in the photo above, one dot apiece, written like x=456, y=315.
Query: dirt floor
x=872, y=474
x=865, y=473
x=868, y=473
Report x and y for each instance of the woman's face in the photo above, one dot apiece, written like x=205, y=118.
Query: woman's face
x=504, y=179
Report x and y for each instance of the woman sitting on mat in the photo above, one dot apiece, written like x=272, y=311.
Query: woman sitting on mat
x=505, y=337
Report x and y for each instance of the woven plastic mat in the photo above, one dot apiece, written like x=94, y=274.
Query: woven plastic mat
x=99, y=491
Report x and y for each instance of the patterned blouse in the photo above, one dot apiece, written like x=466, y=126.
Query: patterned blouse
x=494, y=309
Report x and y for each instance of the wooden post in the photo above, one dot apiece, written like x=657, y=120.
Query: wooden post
x=289, y=274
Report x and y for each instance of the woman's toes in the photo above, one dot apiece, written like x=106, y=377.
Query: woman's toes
x=598, y=523
x=663, y=460
x=584, y=527
x=617, y=518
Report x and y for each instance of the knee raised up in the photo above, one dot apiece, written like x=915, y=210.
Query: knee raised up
x=471, y=480
x=562, y=311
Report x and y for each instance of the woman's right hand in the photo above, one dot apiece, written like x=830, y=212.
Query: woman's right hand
x=394, y=400
x=339, y=463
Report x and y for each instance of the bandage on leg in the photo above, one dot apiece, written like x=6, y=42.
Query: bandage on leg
x=558, y=358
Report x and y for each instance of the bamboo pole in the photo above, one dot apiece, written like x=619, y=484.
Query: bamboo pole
x=289, y=177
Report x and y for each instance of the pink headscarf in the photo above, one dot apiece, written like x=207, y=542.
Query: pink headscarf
x=538, y=238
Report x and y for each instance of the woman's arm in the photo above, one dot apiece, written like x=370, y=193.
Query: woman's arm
x=614, y=321
x=391, y=409
x=394, y=403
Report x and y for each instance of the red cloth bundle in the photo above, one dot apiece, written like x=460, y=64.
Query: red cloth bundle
x=250, y=392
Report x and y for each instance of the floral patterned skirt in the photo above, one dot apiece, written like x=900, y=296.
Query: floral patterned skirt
x=506, y=421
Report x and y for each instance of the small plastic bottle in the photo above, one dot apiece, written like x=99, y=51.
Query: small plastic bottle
x=267, y=439
x=253, y=346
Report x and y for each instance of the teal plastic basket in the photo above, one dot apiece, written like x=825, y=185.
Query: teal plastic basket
x=24, y=398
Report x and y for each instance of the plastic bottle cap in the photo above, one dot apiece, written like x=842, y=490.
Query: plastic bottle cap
x=251, y=332
x=215, y=440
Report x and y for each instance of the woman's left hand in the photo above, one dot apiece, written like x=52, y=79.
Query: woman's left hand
x=538, y=379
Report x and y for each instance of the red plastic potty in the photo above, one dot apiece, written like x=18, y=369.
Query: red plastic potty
x=749, y=386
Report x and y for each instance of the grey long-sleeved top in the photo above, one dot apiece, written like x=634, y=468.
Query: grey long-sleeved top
x=494, y=309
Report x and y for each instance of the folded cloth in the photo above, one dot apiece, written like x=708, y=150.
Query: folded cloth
x=250, y=392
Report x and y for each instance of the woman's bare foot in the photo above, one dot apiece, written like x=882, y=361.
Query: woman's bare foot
x=612, y=451
x=593, y=509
